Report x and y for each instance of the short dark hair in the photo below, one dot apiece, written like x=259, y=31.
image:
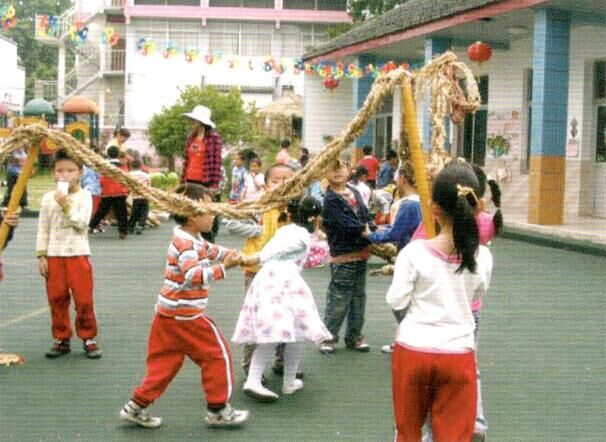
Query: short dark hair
x=391, y=154
x=124, y=133
x=367, y=149
x=113, y=152
x=408, y=173
x=64, y=154
x=192, y=191
x=304, y=151
x=304, y=160
x=285, y=144
x=135, y=164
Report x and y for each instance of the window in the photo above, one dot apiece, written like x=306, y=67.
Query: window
x=599, y=99
x=243, y=3
x=184, y=34
x=168, y=2
x=475, y=128
x=313, y=35
x=246, y=39
x=331, y=5
x=299, y=4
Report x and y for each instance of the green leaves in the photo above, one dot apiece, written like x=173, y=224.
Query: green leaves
x=168, y=130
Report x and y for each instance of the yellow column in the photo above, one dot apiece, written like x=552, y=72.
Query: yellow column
x=13, y=204
x=417, y=157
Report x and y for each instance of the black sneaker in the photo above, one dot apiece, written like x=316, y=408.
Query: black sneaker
x=91, y=349
x=359, y=345
x=59, y=348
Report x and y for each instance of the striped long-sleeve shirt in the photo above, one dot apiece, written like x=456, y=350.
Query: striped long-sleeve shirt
x=191, y=264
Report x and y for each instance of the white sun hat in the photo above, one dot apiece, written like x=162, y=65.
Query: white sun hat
x=201, y=114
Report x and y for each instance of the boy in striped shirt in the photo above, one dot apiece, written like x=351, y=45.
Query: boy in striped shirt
x=181, y=328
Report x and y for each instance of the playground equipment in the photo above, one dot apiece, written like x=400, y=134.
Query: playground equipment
x=82, y=119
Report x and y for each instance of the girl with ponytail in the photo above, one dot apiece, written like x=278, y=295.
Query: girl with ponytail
x=433, y=364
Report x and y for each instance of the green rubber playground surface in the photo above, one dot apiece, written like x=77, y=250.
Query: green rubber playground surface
x=542, y=353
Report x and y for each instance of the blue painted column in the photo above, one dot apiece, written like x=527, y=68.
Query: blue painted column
x=361, y=88
x=433, y=48
x=550, y=67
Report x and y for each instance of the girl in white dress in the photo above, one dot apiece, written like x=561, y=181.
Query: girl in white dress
x=279, y=306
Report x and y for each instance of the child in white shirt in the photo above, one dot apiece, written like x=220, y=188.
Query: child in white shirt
x=433, y=365
x=254, y=181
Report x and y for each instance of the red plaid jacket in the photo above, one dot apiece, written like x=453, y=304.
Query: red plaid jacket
x=211, y=166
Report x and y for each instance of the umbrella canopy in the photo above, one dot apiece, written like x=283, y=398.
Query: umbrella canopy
x=80, y=104
x=38, y=107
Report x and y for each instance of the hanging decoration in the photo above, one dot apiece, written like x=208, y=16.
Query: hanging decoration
x=170, y=51
x=479, y=52
x=330, y=83
x=47, y=26
x=78, y=33
x=191, y=55
x=146, y=46
x=8, y=16
x=251, y=65
x=233, y=63
x=110, y=37
x=298, y=67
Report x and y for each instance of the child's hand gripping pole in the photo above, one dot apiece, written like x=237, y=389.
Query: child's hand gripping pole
x=13, y=204
x=417, y=156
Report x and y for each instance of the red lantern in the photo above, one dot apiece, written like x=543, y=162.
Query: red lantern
x=479, y=52
x=330, y=83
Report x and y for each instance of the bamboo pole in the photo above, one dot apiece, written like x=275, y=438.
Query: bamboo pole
x=417, y=157
x=13, y=204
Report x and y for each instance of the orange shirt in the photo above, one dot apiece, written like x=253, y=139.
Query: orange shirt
x=372, y=165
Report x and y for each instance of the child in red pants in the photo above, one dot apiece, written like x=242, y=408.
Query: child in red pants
x=181, y=328
x=64, y=257
x=433, y=364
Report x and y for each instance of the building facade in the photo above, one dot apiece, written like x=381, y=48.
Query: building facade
x=229, y=44
x=12, y=84
x=541, y=129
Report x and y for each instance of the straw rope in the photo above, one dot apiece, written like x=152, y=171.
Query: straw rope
x=440, y=77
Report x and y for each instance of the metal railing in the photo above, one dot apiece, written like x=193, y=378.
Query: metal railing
x=114, y=60
x=46, y=89
x=114, y=3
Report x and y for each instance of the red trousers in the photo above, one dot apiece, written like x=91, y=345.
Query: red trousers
x=441, y=383
x=170, y=340
x=71, y=277
x=96, y=202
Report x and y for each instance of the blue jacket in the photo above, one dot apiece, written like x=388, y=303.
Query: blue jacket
x=403, y=227
x=386, y=175
x=343, y=227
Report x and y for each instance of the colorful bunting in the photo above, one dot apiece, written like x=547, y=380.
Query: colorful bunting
x=8, y=16
x=109, y=36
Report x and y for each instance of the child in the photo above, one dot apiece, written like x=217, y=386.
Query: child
x=181, y=328
x=91, y=181
x=11, y=221
x=138, y=216
x=433, y=365
x=279, y=306
x=257, y=235
x=388, y=169
x=370, y=162
x=254, y=181
x=113, y=197
x=16, y=160
x=237, y=178
x=345, y=219
x=358, y=180
x=283, y=157
x=64, y=257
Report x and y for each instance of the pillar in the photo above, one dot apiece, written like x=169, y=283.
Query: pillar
x=361, y=89
x=549, y=116
x=60, y=84
x=433, y=48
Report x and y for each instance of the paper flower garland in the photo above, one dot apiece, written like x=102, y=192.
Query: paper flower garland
x=7, y=14
x=191, y=55
x=47, y=26
x=109, y=36
x=170, y=51
x=146, y=46
x=78, y=33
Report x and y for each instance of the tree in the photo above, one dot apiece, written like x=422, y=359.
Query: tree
x=38, y=59
x=362, y=10
x=168, y=129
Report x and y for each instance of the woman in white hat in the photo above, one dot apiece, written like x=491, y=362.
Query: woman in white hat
x=202, y=163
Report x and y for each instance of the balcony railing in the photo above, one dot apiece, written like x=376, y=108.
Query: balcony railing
x=46, y=89
x=114, y=4
x=114, y=61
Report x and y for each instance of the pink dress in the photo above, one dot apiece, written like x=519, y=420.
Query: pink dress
x=279, y=305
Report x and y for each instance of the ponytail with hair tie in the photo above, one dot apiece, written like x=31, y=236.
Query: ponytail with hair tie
x=497, y=218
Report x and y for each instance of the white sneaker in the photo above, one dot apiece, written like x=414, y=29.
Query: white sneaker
x=296, y=385
x=140, y=416
x=228, y=417
x=387, y=348
x=259, y=392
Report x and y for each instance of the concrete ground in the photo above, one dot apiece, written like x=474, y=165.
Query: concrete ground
x=542, y=353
